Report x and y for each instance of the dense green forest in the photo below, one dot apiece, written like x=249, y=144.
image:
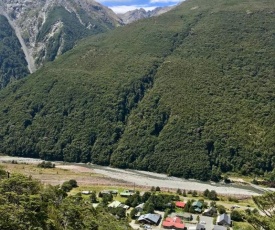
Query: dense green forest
x=12, y=59
x=27, y=204
x=189, y=93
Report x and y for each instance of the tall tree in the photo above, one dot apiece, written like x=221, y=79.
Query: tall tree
x=266, y=218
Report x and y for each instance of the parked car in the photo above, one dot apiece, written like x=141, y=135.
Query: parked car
x=202, y=222
x=147, y=226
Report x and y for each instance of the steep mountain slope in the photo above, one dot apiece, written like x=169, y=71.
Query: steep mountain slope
x=189, y=93
x=138, y=14
x=48, y=28
x=12, y=60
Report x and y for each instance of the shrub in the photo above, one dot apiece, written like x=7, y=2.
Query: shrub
x=46, y=164
x=67, y=186
x=236, y=216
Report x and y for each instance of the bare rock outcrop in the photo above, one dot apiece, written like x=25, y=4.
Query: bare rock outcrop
x=40, y=25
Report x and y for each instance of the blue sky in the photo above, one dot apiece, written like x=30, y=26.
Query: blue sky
x=122, y=6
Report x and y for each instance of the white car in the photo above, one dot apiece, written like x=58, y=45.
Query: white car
x=147, y=227
x=202, y=222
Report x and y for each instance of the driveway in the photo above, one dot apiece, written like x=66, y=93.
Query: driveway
x=208, y=222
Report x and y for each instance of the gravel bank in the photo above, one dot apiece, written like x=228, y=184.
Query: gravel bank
x=143, y=178
x=149, y=179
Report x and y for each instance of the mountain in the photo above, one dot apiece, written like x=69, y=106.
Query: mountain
x=47, y=28
x=189, y=93
x=12, y=59
x=138, y=14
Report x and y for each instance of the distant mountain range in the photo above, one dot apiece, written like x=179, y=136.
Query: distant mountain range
x=45, y=29
x=138, y=14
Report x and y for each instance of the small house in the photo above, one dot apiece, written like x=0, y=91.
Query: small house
x=104, y=192
x=224, y=220
x=139, y=208
x=117, y=204
x=114, y=204
x=197, y=205
x=127, y=193
x=210, y=211
x=113, y=192
x=180, y=204
x=173, y=223
x=150, y=218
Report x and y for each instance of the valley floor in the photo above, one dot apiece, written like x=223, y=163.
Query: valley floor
x=99, y=175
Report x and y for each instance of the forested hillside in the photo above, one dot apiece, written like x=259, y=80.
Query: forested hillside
x=189, y=93
x=12, y=60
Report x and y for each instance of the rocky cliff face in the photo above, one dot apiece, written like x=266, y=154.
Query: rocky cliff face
x=47, y=28
x=138, y=14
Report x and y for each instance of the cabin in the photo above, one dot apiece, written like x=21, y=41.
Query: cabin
x=150, y=218
x=224, y=220
x=117, y=204
x=180, y=204
x=173, y=223
x=197, y=205
x=127, y=193
x=113, y=192
x=210, y=211
x=139, y=208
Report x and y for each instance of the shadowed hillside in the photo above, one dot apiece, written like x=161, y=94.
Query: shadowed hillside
x=189, y=93
x=12, y=60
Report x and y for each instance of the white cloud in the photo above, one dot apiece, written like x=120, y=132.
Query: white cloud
x=165, y=1
x=124, y=9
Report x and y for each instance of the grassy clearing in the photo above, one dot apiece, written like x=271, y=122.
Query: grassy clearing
x=56, y=175
x=242, y=226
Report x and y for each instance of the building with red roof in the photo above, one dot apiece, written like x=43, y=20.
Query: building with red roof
x=180, y=204
x=175, y=223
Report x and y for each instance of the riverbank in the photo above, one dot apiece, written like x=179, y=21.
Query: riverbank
x=149, y=179
x=138, y=178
